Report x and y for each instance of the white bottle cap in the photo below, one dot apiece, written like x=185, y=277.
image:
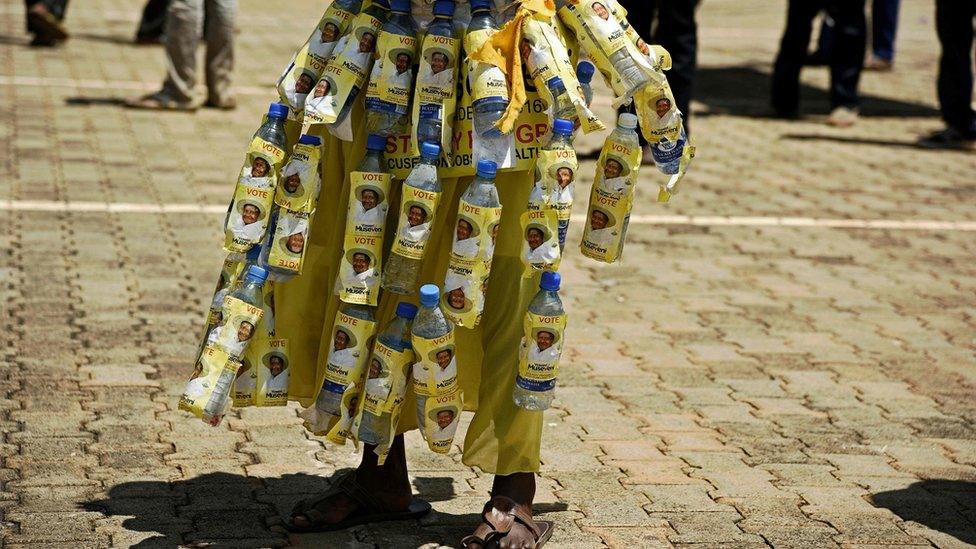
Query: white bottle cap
x=627, y=120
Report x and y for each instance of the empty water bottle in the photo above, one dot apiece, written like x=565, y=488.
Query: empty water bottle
x=241, y=312
x=488, y=88
x=341, y=360
x=431, y=120
x=432, y=334
x=562, y=106
x=667, y=153
x=386, y=381
x=545, y=323
x=421, y=193
x=584, y=72
x=388, y=93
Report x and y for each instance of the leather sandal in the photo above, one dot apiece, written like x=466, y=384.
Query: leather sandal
x=497, y=519
x=369, y=509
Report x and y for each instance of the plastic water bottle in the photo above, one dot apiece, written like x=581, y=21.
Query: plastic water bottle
x=430, y=124
x=430, y=323
x=329, y=400
x=482, y=191
x=667, y=154
x=396, y=336
x=379, y=10
x=273, y=129
x=584, y=72
x=534, y=394
x=373, y=161
x=487, y=110
x=249, y=292
x=382, y=116
x=625, y=133
x=400, y=274
x=631, y=75
x=562, y=139
x=562, y=105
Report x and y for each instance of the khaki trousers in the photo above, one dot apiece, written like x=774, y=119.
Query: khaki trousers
x=184, y=28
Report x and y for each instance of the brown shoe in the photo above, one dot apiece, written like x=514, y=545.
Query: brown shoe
x=878, y=65
x=228, y=104
x=44, y=24
x=159, y=102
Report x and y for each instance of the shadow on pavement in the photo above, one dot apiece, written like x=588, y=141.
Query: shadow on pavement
x=744, y=91
x=80, y=101
x=948, y=506
x=230, y=510
x=853, y=140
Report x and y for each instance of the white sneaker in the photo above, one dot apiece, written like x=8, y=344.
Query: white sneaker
x=843, y=117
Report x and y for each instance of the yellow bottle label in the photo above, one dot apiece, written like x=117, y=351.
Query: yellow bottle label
x=289, y=242
x=298, y=187
x=541, y=348
x=417, y=210
x=199, y=388
x=485, y=81
x=269, y=359
x=435, y=378
x=473, y=247
x=248, y=219
x=392, y=76
x=540, y=234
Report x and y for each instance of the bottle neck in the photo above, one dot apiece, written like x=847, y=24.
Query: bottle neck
x=429, y=160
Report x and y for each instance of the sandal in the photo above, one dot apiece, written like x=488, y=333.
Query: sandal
x=500, y=514
x=369, y=508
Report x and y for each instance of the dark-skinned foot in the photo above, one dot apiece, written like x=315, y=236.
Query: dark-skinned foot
x=507, y=520
x=336, y=508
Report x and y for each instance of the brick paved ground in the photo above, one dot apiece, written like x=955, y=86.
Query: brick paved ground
x=726, y=386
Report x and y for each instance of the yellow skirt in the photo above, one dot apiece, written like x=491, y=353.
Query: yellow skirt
x=502, y=438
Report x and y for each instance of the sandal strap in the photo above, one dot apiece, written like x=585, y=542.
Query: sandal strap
x=508, y=506
x=368, y=503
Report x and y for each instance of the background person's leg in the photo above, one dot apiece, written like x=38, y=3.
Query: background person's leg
x=219, y=34
x=184, y=21
x=153, y=21
x=954, y=25
x=847, y=57
x=792, y=53
x=678, y=33
x=884, y=26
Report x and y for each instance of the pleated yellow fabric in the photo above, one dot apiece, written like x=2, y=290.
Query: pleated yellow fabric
x=502, y=438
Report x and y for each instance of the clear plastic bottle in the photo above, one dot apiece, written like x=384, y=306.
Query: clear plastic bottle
x=562, y=139
x=273, y=129
x=487, y=109
x=532, y=394
x=430, y=323
x=632, y=76
x=249, y=292
x=379, y=10
x=430, y=124
x=329, y=400
x=482, y=191
x=584, y=72
x=400, y=274
x=373, y=161
x=396, y=336
x=667, y=153
x=563, y=105
x=625, y=133
x=382, y=116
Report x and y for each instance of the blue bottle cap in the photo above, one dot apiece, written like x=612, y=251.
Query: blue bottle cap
x=430, y=150
x=406, y=310
x=444, y=8
x=480, y=5
x=310, y=140
x=402, y=6
x=278, y=110
x=562, y=127
x=487, y=169
x=430, y=294
x=585, y=71
x=376, y=142
x=257, y=273
x=550, y=281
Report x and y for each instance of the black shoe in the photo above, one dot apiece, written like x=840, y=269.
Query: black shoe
x=44, y=24
x=949, y=138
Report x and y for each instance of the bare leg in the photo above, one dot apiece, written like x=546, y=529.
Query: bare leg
x=388, y=483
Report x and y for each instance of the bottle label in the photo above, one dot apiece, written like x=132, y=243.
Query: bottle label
x=347, y=355
x=299, y=78
x=617, y=169
x=361, y=264
x=345, y=73
x=435, y=96
x=298, y=187
x=251, y=207
x=387, y=376
x=541, y=348
x=555, y=181
x=200, y=387
x=245, y=383
x=241, y=322
x=435, y=379
x=390, y=84
x=417, y=210
x=475, y=231
x=601, y=34
x=289, y=242
x=659, y=118
x=487, y=82
x=540, y=240
x=545, y=58
x=268, y=358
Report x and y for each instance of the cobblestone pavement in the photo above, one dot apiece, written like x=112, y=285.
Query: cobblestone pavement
x=728, y=385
